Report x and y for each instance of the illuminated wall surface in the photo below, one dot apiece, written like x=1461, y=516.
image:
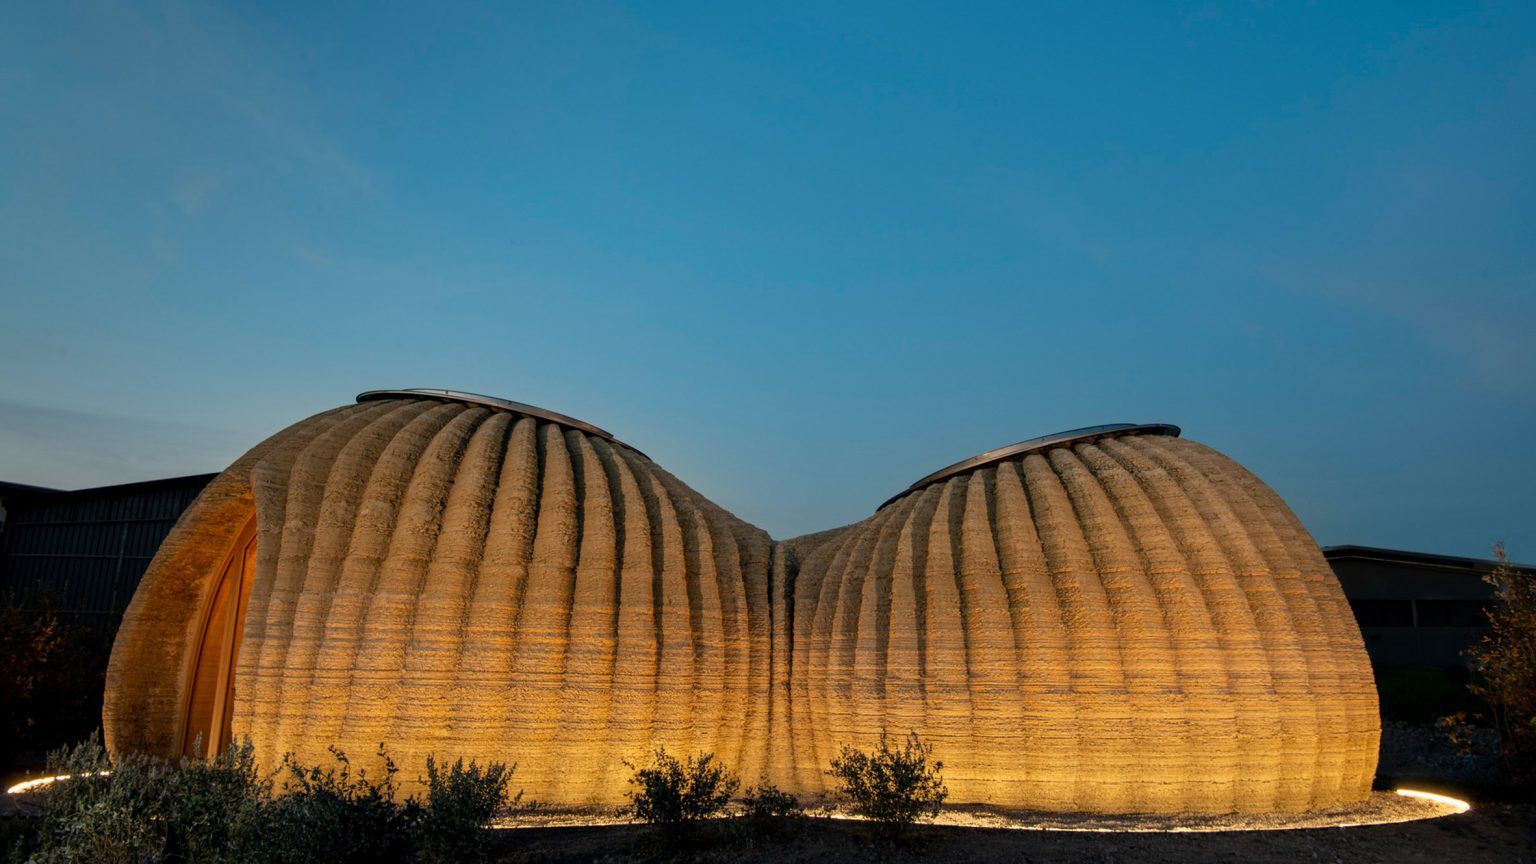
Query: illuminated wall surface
x=1129, y=624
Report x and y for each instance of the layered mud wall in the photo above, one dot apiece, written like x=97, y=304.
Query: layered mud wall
x=1134, y=624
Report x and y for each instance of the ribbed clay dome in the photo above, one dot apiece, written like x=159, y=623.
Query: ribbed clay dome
x=1115, y=621
x=1128, y=623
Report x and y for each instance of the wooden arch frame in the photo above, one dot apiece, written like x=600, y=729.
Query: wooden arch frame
x=208, y=685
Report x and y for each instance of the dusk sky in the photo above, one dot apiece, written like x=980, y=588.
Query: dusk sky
x=799, y=254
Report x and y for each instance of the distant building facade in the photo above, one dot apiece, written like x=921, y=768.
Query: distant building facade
x=1414, y=609
x=83, y=552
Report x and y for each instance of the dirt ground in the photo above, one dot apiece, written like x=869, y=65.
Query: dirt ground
x=1489, y=833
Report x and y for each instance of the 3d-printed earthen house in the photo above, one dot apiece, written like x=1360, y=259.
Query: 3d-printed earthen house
x=1112, y=620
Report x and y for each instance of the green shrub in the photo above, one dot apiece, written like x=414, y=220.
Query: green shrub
x=461, y=804
x=677, y=794
x=142, y=809
x=767, y=801
x=108, y=819
x=330, y=814
x=894, y=786
x=145, y=808
x=209, y=799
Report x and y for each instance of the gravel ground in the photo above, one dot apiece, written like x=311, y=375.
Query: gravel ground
x=1489, y=833
x=1411, y=751
x=1499, y=828
x=1381, y=808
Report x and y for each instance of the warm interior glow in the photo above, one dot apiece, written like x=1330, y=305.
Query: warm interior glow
x=211, y=687
x=1460, y=805
x=28, y=785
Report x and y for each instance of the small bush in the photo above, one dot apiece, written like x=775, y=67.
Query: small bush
x=114, y=818
x=146, y=809
x=143, y=809
x=461, y=804
x=677, y=794
x=894, y=786
x=331, y=814
x=208, y=799
x=767, y=801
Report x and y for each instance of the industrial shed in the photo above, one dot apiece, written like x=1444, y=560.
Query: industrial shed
x=1416, y=609
x=80, y=553
x=1110, y=620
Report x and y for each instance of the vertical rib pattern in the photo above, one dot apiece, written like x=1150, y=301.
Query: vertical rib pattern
x=1128, y=624
x=450, y=579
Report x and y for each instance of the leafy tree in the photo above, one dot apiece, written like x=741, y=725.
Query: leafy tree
x=1504, y=664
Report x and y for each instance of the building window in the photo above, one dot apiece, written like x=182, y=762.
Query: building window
x=1451, y=613
x=1382, y=613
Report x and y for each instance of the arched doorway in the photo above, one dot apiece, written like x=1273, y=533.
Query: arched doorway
x=210, y=692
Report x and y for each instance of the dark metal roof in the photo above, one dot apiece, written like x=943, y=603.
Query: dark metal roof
x=494, y=402
x=1044, y=442
x=1418, y=559
x=8, y=488
x=20, y=489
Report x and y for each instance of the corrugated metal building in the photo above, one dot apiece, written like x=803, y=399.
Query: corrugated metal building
x=1414, y=608
x=84, y=551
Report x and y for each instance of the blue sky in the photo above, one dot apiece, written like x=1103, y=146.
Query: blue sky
x=801, y=254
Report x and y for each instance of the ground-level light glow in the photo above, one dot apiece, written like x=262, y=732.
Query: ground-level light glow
x=1381, y=808
x=29, y=785
x=1459, y=805
x=1438, y=805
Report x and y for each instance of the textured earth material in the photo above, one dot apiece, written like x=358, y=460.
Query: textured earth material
x=1131, y=623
